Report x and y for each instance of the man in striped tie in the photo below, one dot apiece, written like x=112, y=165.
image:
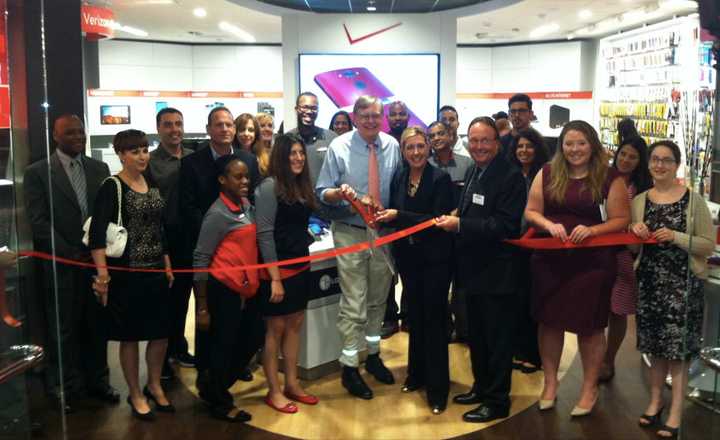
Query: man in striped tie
x=59, y=196
x=361, y=164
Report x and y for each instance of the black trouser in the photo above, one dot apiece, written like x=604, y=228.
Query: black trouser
x=491, y=332
x=179, y=292
x=82, y=336
x=392, y=311
x=426, y=286
x=526, y=335
x=458, y=307
x=236, y=333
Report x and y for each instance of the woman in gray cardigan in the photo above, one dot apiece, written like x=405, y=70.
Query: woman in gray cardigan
x=670, y=298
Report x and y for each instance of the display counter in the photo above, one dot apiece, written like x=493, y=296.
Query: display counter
x=320, y=342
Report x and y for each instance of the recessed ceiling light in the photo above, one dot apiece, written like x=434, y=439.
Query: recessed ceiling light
x=371, y=8
x=544, y=30
x=128, y=29
x=585, y=14
x=240, y=33
x=200, y=12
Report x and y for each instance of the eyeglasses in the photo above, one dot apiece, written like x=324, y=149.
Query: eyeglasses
x=665, y=161
x=518, y=111
x=309, y=108
x=369, y=116
x=436, y=134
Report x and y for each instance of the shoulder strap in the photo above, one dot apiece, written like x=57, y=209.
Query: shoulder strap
x=119, y=199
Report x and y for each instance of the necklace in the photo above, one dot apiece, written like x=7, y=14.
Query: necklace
x=413, y=186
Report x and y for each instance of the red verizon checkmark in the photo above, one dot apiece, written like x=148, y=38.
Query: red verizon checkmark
x=371, y=34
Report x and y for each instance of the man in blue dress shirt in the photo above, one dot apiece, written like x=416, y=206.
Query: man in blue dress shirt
x=364, y=276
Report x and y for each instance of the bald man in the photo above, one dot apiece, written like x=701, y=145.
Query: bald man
x=58, y=203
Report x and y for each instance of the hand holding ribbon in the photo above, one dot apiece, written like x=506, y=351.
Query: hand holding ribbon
x=550, y=243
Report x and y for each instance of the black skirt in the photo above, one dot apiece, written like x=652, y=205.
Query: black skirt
x=138, y=306
x=296, y=296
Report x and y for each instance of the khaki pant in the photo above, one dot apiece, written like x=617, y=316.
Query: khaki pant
x=364, y=280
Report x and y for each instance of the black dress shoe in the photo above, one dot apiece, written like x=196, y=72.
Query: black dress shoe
x=169, y=408
x=374, y=365
x=107, y=395
x=354, y=383
x=184, y=359
x=411, y=385
x=437, y=409
x=469, y=398
x=246, y=375
x=485, y=413
x=147, y=417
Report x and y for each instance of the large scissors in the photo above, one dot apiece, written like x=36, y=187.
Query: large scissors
x=367, y=212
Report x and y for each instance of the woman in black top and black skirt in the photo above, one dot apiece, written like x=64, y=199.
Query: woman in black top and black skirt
x=136, y=301
x=284, y=202
x=419, y=192
x=527, y=151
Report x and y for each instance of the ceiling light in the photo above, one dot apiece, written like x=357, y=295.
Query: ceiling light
x=371, y=8
x=570, y=36
x=133, y=31
x=241, y=34
x=585, y=14
x=544, y=30
x=200, y=12
x=128, y=29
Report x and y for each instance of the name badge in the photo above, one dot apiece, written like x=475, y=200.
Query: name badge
x=478, y=199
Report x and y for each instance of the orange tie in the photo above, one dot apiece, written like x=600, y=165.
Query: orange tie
x=373, y=176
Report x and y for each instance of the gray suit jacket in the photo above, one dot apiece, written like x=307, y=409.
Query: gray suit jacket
x=65, y=221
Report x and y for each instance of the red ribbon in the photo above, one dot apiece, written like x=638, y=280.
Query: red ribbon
x=367, y=213
x=552, y=243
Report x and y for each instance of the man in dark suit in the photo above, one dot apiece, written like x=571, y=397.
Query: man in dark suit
x=490, y=210
x=58, y=203
x=199, y=188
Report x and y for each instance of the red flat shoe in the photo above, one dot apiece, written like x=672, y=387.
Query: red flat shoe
x=307, y=399
x=290, y=408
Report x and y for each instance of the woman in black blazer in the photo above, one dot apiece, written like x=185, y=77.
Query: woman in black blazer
x=419, y=192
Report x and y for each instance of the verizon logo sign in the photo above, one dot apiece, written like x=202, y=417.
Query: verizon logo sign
x=92, y=20
x=97, y=22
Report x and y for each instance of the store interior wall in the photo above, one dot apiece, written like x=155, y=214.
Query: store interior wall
x=153, y=66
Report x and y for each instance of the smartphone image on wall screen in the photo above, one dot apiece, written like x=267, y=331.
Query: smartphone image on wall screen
x=345, y=86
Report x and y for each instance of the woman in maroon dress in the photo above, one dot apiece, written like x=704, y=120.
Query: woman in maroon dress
x=575, y=197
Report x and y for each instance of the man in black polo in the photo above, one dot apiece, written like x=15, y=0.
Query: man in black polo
x=164, y=171
x=316, y=139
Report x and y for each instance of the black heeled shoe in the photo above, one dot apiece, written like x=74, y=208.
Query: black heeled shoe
x=169, y=408
x=147, y=417
x=648, y=421
x=672, y=431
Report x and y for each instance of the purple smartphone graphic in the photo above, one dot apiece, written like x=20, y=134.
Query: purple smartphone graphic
x=345, y=86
